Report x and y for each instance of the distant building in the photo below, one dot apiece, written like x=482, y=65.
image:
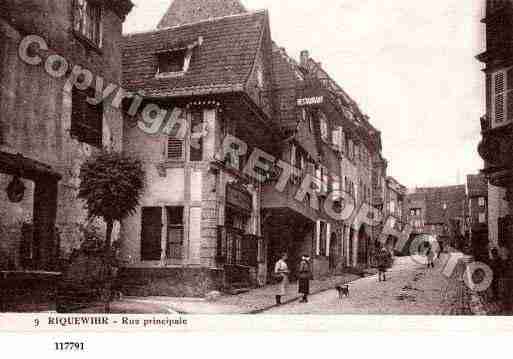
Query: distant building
x=395, y=204
x=477, y=189
x=440, y=211
x=497, y=124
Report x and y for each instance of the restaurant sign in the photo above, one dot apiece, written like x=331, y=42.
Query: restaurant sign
x=238, y=197
x=310, y=101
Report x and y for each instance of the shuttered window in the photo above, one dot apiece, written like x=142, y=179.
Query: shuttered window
x=151, y=234
x=500, y=96
x=175, y=149
x=86, y=119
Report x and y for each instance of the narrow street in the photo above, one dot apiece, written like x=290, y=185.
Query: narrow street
x=410, y=289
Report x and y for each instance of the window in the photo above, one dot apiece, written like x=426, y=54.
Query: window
x=482, y=202
x=173, y=62
x=175, y=144
x=175, y=233
x=234, y=160
x=392, y=206
x=197, y=132
x=260, y=78
x=87, y=20
x=324, y=127
x=482, y=217
x=175, y=149
x=337, y=141
x=343, y=145
x=86, y=119
x=322, y=239
x=500, y=88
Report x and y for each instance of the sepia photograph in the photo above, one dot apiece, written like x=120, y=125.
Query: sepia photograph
x=172, y=158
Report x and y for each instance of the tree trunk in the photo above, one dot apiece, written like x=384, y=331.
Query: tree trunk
x=108, y=264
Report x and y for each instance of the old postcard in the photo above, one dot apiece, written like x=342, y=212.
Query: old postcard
x=165, y=162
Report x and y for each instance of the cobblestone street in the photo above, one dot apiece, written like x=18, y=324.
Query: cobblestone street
x=410, y=289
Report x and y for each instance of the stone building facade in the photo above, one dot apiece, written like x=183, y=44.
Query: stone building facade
x=47, y=128
x=355, y=144
x=200, y=216
x=497, y=123
x=204, y=223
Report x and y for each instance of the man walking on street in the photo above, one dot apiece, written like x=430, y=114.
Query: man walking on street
x=305, y=275
x=383, y=264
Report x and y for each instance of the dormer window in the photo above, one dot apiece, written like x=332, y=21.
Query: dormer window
x=175, y=61
x=172, y=61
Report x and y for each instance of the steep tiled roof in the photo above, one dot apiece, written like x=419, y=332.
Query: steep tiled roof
x=187, y=11
x=222, y=63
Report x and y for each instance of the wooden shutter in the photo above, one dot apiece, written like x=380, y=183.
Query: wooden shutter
x=499, y=101
x=175, y=149
x=86, y=119
x=151, y=234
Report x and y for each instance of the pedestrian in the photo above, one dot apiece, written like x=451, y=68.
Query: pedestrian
x=305, y=275
x=281, y=271
x=383, y=263
x=497, y=267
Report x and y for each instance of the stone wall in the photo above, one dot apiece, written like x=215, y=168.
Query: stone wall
x=35, y=108
x=172, y=282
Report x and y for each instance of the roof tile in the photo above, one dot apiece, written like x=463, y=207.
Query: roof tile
x=224, y=60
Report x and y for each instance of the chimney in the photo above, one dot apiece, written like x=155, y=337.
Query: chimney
x=303, y=58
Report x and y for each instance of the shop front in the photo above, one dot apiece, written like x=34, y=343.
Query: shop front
x=237, y=249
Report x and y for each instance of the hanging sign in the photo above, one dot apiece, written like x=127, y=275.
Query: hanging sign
x=310, y=101
x=16, y=190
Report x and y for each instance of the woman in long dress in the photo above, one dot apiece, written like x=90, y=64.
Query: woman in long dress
x=281, y=270
x=305, y=275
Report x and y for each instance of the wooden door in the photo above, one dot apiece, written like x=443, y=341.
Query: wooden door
x=151, y=234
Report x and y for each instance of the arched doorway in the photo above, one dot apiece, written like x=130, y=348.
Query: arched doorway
x=333, y=252
x=350, y=248
x=363, y=246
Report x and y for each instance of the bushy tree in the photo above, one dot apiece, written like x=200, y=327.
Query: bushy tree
x=111, y=185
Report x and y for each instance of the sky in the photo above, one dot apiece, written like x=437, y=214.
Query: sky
x=410, y=65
